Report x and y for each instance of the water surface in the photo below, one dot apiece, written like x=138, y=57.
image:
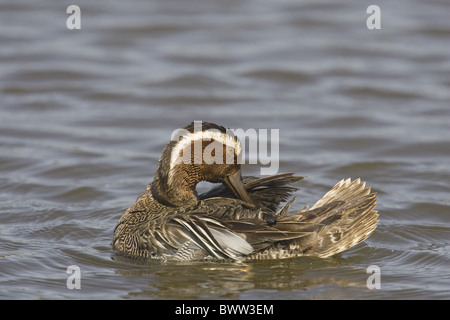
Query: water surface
x=84, y=116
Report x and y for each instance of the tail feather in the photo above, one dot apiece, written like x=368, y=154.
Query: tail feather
x=351, y=221
x=344, y=190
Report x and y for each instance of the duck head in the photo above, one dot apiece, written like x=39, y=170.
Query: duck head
x=205, y=152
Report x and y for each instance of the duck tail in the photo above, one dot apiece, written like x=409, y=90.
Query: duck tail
x=343, y=217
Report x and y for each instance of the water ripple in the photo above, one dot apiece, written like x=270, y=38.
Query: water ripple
x=86, y=113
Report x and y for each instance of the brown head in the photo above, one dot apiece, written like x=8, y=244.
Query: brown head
x=198, y=152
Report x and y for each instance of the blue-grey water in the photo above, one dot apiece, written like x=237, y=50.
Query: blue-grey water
x=84, y=115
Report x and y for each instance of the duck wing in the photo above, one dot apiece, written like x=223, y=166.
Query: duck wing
x=266, y=193
x=186, y=237
x=342, y=218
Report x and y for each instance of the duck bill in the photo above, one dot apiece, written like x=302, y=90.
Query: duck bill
x=236, y=186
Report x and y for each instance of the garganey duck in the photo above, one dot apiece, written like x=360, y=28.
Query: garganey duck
x=241, y=218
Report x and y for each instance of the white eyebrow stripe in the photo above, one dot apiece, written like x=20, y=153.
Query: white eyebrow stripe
x=208, y=135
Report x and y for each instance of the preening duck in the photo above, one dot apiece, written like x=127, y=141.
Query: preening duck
x=242, y=218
